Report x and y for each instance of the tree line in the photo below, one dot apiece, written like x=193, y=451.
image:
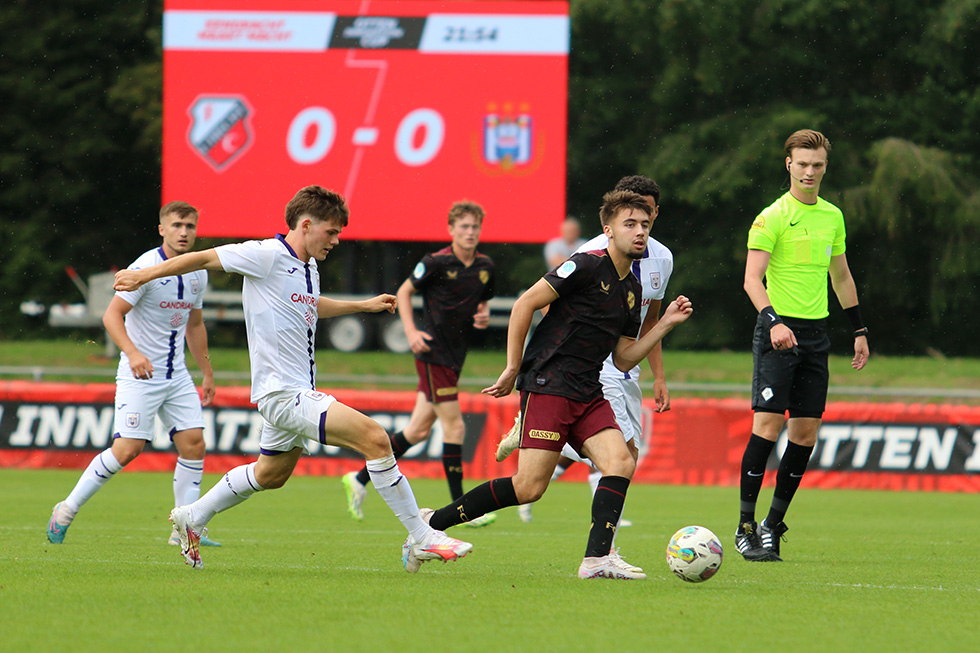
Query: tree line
x=698, y=95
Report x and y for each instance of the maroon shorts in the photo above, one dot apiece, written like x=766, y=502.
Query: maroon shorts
x=436, y=382
x=548, y=421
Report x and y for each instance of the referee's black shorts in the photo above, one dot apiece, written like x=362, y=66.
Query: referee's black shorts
x=783, y=380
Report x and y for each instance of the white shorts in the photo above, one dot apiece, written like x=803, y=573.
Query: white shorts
x=291, y=418
x=138, y=402
x=626, y=399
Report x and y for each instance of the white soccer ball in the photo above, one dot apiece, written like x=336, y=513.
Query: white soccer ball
x=694, y=554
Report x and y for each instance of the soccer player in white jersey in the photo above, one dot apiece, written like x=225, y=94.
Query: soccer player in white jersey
x=622, y=389
x=150, y=326
x=282, y=302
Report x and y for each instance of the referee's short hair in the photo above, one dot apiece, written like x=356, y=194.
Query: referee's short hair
x=806, y=139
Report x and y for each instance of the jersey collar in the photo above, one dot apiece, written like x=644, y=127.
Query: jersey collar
x=282, y=239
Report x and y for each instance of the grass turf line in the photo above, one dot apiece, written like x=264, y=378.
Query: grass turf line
x=863, y=568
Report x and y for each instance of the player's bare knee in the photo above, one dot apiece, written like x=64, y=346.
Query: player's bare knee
x=190, y=448
x=529, y=490
x=374, y=442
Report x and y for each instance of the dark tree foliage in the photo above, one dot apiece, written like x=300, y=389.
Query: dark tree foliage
x=697, y=94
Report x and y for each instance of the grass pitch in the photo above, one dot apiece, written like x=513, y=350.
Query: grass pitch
x=864, y=570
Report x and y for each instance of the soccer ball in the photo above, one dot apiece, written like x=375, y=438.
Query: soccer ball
x=694, y=554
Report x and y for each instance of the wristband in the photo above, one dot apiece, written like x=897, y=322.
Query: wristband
x=771, y=319
x=854, y=315
x=863, y=331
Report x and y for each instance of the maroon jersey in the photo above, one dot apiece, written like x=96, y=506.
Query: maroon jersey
x=450, y=293
x=593, y=310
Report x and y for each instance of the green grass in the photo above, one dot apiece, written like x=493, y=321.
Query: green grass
x=864, y=570
x=387, y=370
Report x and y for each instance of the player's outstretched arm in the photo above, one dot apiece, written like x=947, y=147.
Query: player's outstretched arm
x=629, y=353
x=129, y=280
x=328, y=307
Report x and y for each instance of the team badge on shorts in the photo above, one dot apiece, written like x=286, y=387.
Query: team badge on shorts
x=221, y=129
x=315, y=395
x=132, y=420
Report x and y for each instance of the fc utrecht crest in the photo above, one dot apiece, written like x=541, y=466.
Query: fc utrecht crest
x=221, y=129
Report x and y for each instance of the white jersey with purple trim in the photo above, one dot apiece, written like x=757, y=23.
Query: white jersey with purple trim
x=158, y=320
x=280, y=294
x=653, y=271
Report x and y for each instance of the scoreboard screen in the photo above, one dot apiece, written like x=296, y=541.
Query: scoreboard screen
x=404, y=107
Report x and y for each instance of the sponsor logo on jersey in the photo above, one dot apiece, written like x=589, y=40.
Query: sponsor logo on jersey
x=178, y=305
x=452, y=274
x=565, y=269
x=309, y=300
x=604, y=287
x=176, y=320
x=220, y=130
x=538, y=434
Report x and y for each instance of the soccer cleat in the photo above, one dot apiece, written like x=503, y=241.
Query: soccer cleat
x=511, y=441
x=60, y=521
x=205, y=540
x=481, y=521
x=614, y=553
x=355, y=495
x=190, y=540
x=524, y=512
x=770, y=536
x=750, y=544
x=439, y=546
x=608, y=566
x=411, y=563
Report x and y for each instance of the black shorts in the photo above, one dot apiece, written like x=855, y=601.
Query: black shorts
x=783, y=380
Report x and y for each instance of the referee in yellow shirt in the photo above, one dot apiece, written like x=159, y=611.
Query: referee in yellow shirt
x=793, y=244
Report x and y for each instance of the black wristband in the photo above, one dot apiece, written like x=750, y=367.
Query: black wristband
x=771, y=319
x=854, y=315
x=863, y=331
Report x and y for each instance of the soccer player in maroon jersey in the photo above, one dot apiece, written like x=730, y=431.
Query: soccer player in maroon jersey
x=594, y=310
x=456, y=283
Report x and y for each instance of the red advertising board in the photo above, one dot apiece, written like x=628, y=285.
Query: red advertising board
x=404, y=107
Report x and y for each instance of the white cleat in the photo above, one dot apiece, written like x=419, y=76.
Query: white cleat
x=608, y=567
x=524, y=512
x=511, y=441
x=436, y=546
x=190, y=539
x=614, y=553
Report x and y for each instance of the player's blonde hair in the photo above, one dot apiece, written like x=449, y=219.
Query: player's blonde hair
x=461, y=208
x=178, y=208
x=319, y=203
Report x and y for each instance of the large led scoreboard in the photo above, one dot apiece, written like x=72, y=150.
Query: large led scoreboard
x=402, y=106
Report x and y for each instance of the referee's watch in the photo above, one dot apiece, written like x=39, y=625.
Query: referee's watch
x=863, y=331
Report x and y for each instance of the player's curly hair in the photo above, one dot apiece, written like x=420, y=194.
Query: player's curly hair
x=641, y=186
x=461, y=208
x=806, y=139
x=617, y=200
x=318, y=203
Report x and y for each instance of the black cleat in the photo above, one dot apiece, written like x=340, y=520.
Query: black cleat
x=750, y=544
x=770, y=536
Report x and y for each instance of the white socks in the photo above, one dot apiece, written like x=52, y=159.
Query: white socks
x=397, y=493
x=232, y=489
x=594, y=477
x=102, y=468
x=187, y=481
